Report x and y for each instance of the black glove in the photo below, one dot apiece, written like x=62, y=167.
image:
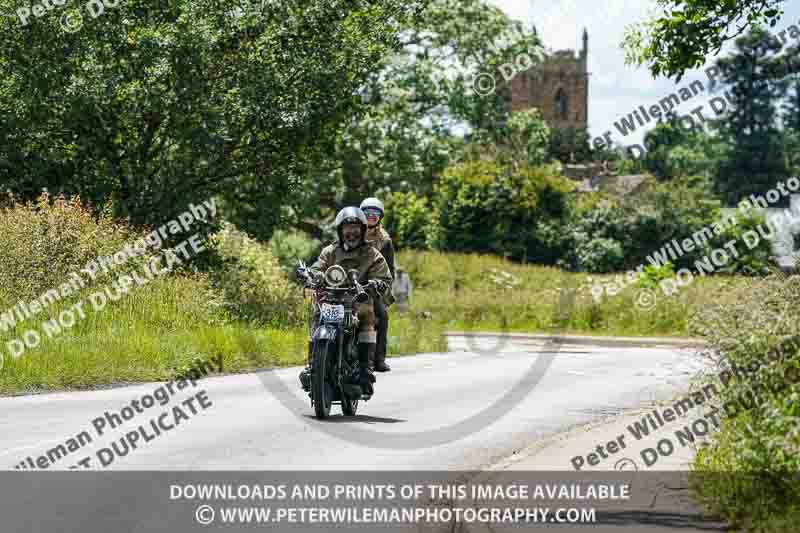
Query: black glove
x=307, y=276
x=303, y=274
x=379, y=285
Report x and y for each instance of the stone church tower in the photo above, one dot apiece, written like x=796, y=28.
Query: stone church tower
x=559, y=88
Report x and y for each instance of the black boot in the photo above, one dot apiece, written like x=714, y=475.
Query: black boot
x=305, y=375
x=365, y=377
x=380, y=348
x=305, y=380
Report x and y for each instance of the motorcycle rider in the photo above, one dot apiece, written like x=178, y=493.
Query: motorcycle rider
x=351, y=251
x=380, y=239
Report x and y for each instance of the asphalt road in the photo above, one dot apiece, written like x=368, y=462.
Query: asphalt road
x=241, y=423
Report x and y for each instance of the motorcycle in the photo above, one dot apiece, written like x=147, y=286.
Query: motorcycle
x=334, y=370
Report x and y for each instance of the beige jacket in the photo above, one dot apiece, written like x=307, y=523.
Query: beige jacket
x=368, y=261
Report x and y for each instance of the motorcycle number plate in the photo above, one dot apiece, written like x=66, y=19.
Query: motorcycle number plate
x=332, y=313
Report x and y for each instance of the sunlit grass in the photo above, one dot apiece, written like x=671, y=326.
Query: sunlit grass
x=486, y=293
x=157, y=328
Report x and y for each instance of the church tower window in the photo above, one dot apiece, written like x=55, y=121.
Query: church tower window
x=561, y=104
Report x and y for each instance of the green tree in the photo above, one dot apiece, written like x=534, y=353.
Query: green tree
x=528, y=137
x=486, y=207
x=756, y=160
x=687, y=31
x=604, y=234
x=152, y=105
x=409, y=220
x=791, y=111
x=674, y=151
x=569, y=145
x=420, y=99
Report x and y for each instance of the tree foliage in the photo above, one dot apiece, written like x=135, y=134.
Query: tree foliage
x=155, y=104
x=569, y=145
x=483, y=206
x=674, y=151
x=421, y=99
x=688, y=31
x=605, y=234
x=409, y=220
x=756, y=160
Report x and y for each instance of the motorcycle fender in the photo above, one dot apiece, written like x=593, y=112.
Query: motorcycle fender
x=324, y=332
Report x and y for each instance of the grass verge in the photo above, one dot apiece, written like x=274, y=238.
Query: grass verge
x=155, y=329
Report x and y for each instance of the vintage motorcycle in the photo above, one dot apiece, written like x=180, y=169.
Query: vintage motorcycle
x=334, y=369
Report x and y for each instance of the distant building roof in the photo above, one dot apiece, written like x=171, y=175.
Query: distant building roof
x=580, y=171
x=624, y=185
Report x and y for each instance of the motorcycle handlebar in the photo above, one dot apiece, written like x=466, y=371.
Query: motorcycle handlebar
x=306, y=275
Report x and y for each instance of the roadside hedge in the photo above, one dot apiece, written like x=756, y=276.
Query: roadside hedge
x=754, y=335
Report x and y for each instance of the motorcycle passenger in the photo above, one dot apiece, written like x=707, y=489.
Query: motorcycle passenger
x=380, y=239
x=351, y=251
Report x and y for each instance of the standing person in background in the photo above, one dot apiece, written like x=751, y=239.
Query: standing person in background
x=380, y=239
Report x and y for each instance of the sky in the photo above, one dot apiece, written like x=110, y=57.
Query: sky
x=615, y=89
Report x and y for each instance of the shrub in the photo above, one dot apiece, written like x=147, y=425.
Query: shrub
x=640, y=225
x=255, y=287
x=289, y=246
x=488, y=208
x=749, y=261
x=41, y=243
x=652, y=275
x=409, y=220
x=599, y=255
x=755, y=329
x=596, y=236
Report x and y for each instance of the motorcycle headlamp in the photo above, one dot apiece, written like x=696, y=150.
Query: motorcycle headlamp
x=335, y=276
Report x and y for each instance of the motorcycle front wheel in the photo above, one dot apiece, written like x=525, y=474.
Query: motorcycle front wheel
x=321, y=389
x=349, y=406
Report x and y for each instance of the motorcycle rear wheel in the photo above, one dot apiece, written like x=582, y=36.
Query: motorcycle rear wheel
x=321, y=389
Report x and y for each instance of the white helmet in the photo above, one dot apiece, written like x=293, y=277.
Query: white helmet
x=350, y=215
x=373, y=203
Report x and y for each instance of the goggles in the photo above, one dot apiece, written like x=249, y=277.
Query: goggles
x=372, y=211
